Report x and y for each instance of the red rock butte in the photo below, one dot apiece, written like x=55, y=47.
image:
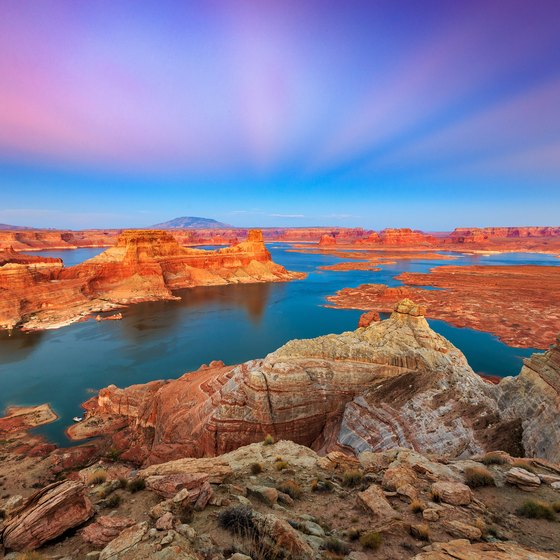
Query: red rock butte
x=144, y=265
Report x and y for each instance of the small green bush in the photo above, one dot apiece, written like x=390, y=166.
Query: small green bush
x=280, y=465
x=556, y=506
x=268, y=440
x=535, y=509
x=136, y=484
x=256, y=468
x=371, y=540
x=353, y=533
x=476, y=477
x=352, y=478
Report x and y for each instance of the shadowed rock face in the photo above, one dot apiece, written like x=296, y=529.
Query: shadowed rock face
x=144, y=265
x=396, y=382
x=534, y=397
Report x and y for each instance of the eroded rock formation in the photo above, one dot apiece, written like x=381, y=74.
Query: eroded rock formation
x=370, y=389
x=144, y=265
x=46, y=515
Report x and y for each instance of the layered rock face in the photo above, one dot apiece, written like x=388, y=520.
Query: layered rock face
x=37, y=240
x=46, y=515
x=534, y=396
x=144, y=265
x=395, y=382
x=476, y=235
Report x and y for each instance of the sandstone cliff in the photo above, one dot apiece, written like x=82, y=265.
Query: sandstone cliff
x=534, y=397
x=144, y=265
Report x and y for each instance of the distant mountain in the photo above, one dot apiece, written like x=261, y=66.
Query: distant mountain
x=192, y=222
x=8, y=226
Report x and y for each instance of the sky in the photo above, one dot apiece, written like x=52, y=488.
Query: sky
x=381, y=113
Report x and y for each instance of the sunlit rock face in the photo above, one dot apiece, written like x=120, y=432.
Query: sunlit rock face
x=144, y=265
x=394, y=383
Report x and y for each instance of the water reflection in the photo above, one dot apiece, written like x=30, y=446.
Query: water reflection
x=18, y=346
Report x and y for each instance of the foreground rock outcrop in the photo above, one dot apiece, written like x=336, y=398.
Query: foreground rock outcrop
x=394, y=383
x=144, y=265
x=282, y=500
x=46, y=515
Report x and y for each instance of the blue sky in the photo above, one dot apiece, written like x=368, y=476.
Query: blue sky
x=378, y=114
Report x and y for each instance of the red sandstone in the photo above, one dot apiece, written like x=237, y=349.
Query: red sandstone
x=144, y=265
x=519, y=304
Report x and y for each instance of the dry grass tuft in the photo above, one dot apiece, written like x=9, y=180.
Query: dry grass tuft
x=476, y=477
x=98, y=476
x=371, y=540
x=536, y=509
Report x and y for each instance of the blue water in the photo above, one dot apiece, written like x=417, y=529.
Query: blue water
x=231, y=323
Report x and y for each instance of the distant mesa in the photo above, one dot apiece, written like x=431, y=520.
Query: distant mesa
x=13, y=228
x=192, y=222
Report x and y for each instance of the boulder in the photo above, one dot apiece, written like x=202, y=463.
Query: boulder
x=105, y=529
x=167, y=486
x=463, y=549
x=374, y=500
x=523, y=479
x=47, y=514
x=454, y=493
x=124, y=542
x=462, y=530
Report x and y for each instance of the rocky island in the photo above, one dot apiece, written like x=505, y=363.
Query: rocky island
x=144, y=265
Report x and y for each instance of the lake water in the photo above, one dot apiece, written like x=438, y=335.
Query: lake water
x=231, y=323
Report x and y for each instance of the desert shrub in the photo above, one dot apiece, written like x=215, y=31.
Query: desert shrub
x=2, y=513
x=524, y=465
x=353, y=533
x=476, y=477
x=113, y=454
x=421, y=532
x=435, y=496
x=256, y=468
x=352, y=478
x=113, y=501
x=371, y=540
x=31, y=555
x=321, y=485
x=555, y=506
x=280, y=465
x=535, y=509
x=237, y=520
x=332, y=544
x=123, y=482
x=493, y=458
x=136, y=484
x=416, y=506
x=290, y=487
x=97, y=476
x=268, y=440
